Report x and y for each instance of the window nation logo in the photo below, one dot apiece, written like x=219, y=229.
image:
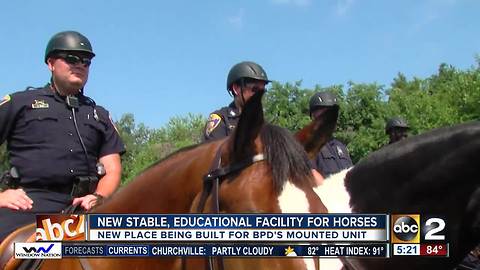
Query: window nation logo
x=44, y=250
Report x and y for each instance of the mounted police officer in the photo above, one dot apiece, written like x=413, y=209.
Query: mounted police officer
x=59, y=141
x=396, y=129
x=333, y=156
x=244, y=79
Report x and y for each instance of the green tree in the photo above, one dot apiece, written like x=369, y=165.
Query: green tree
x=136, y=139
x=361, y=119
x=449, y=97
x=146, y=146
x=287, y=105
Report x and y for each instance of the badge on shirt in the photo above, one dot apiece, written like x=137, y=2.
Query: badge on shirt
x=232, y=113
x=5, y=99
x=39, y=104
x=340, y=151
x=213, y=121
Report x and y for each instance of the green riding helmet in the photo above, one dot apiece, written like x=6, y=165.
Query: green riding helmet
x=396, y=122
x=248, y=70
x=323, y=99
x=68, y=41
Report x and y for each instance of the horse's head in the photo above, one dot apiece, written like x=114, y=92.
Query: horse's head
x=261, y=168
x=315, y=135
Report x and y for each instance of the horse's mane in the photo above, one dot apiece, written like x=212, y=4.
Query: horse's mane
x=286, y=157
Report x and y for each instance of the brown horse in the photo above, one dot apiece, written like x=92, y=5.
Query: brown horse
x=435, y=173
x=280, y=182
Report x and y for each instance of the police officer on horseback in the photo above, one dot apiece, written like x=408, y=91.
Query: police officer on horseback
x=396, y=129
x=63, y=148
x=333, y=156
x=244, y=79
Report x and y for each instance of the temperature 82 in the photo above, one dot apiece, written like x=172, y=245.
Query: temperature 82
x=312, y=251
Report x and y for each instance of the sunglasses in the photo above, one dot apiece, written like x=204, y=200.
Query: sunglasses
x=255, y=88
x=73, y=59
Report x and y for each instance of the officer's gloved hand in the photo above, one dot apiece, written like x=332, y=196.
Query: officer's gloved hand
x=15, y=199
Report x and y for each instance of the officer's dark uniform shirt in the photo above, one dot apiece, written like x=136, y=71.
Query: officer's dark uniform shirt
x=333, y=158
x=44, y=146
x=221, y=123
x=42, y=139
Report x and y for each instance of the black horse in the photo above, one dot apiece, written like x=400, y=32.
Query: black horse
x=435, y=173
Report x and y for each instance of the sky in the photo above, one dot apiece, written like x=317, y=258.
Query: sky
x=161, y=59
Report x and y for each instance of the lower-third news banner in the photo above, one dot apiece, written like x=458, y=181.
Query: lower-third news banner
x=227, y=250
x=229, y=235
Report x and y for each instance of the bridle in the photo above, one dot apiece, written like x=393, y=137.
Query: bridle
x=211, y=183
x=217, y=174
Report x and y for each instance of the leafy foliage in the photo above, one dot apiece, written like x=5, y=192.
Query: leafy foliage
x=145, y=145
x=287, y=105
x=449, y=97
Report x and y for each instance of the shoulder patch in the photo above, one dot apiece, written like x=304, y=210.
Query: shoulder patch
x=5, y=99
x=212, y=122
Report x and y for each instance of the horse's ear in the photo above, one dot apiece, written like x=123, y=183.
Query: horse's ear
x=248, y=128
x=316, y=134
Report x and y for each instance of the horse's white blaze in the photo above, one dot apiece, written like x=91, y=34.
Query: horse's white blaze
x=294, y=200
x=333, y=193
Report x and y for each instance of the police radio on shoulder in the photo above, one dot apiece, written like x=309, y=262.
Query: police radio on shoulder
x=72, y=102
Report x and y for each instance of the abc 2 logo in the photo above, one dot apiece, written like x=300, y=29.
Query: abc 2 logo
x=413, y=229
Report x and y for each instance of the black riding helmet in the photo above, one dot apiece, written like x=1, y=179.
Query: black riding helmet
x=68, y=41
x=323, y=99
x=396, y=122
x=245, y=70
